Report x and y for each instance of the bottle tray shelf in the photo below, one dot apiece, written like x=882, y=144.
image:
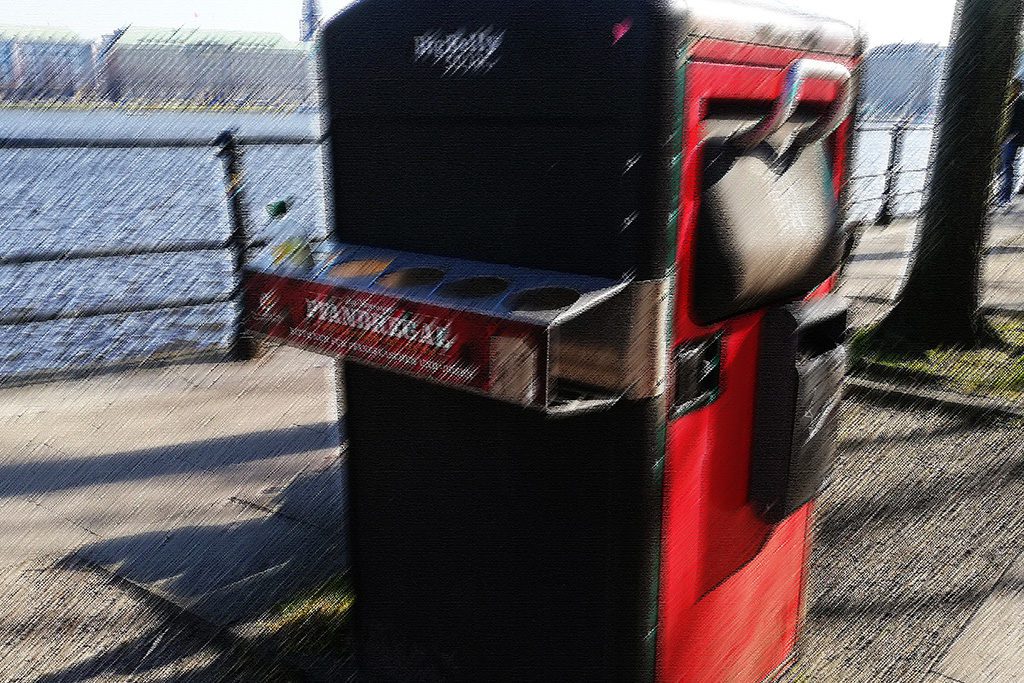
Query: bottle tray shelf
x=556, y=341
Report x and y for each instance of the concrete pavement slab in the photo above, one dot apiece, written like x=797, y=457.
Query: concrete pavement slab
x=29, y=532
x=226, y=563
x=991, y=647
x=191, y=482
x=918, y=522
x=67, y=623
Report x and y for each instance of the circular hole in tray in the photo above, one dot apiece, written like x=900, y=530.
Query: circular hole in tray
x=476, y=287
x=411, y=277
x=361, y=268
x=328, y=255
x=545, y=299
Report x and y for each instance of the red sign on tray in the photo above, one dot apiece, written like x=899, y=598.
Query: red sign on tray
x=448, y=345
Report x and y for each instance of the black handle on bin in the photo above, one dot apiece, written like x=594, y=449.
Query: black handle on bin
x=696, y=375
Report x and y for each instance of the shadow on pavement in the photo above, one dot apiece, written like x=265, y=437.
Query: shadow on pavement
x=176, y=648
x=912, y=536
x=62, y=473
x=938, y=601
x=978, y=478
x=244, y=591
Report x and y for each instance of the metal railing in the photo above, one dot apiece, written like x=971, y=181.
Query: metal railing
x=238, y=244
x=888, y=208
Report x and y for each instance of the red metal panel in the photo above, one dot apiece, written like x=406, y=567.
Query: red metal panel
x=447, y=345
x=731, y=585
x=732, y=52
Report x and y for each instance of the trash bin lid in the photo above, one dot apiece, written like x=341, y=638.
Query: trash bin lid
x=770, y=23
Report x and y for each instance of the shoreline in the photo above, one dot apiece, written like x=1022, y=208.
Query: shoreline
x=97, y=123
x=143, y=107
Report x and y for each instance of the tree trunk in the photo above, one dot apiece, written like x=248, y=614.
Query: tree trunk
x=939, y=300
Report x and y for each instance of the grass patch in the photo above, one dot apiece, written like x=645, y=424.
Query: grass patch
x=996, y=372
x=316, y=622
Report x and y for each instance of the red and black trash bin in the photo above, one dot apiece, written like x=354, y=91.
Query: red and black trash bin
x=579, y=286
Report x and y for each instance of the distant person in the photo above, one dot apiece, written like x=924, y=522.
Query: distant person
x=1012, y=143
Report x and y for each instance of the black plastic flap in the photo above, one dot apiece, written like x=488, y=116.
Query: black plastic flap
x=801, y=363
x=767, y=230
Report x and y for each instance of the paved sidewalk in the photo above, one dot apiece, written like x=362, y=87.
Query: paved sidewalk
x=153, y=522
x=64, y=623
x=991, y=647
x=217, y=489
x=880, y=259
x=915, y=537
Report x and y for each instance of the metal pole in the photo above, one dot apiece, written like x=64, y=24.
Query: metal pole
x=892, y=172
x=244, y=346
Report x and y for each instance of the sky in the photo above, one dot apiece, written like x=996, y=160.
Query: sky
x=884, y=21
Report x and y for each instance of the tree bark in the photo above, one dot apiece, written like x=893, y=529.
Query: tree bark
x=939, y=300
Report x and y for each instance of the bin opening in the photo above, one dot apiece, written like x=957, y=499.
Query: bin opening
x=800, y=370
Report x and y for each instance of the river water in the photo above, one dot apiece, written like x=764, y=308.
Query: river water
x=100, y=198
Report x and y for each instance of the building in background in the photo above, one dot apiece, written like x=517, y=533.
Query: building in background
x=45, y=64
x=199, y=67
x=901, y=80
x=7, y=72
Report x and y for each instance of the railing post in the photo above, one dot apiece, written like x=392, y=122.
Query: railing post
x=243, y=345
x=892, y=173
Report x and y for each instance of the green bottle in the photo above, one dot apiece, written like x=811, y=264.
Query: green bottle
x=291, y=240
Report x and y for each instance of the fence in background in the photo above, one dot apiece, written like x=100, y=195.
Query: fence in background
x=889, y=208
x=238, y=244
